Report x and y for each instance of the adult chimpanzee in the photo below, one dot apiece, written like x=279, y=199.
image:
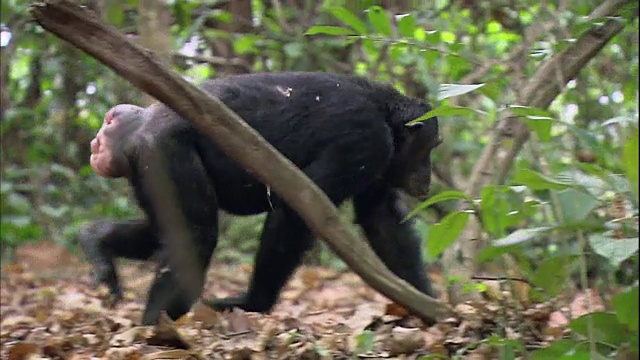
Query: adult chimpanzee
x=346, y=133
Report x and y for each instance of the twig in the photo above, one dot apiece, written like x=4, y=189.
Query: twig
x=215, y=60
x=280, y=17
x=230, y=335
x=502, y=278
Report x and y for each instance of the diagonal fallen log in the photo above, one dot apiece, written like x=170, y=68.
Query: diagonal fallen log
x=235, y=138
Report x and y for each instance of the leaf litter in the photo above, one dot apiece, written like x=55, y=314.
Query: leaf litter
x=51, y=313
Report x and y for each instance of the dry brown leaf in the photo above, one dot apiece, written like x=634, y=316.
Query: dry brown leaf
x=204, y=314
x=16, y=320
x=14, y=267
x=128, y=337
x=238, y=321
x=165, y=334
x=557, y=320
x=482, y=352
x=434, y=340
x=586, y=302
x=310, y=278
x=493, y=291
x=57, y=347
x=469, y=314
x=44, y=256
x=22, y=351
x=539, y=312
x=405, y=341
x=395, y=310
x=173, y=354
x=269, y=331
x=364, y=315
x=522, y=291
x=127, y=353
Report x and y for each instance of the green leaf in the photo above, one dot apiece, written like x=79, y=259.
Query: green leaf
x=378, y=18
x=530, y=112
x=493, y=252
x=349, y=19
x=329, y=30
x=114, y=12
x=575, y=205
x=612, y=249
x=401, y=54
x=364, y=341
x=443, y=196
x=448, y=36
x=626, y=307
x=430, y=56
x=446, y=232
x=494, y=208
x=406, y=24
x=294, y=50
x=606, y=327
x=588, y=139
x=592, y=184
x=560, y=349
x=541, y=126
x=537, y=181
x=433, y=37
x=444, y=110
x=630, y=157
x=520, y=236
x=246, y=44
x=450, y=90
x=538, y=120
x=552, y=274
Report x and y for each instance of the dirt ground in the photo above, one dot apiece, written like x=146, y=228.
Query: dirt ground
x=50, y=310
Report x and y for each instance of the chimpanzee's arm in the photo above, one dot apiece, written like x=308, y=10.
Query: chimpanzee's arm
x=381, y=213
x=103, y=241
x=178, y=196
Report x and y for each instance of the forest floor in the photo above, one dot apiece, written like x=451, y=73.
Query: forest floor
x=49, y=310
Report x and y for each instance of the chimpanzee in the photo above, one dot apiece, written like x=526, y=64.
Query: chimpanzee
x=346, y=133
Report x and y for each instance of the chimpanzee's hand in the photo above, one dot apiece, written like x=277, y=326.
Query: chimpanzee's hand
x=104, y=270
x=106, y=274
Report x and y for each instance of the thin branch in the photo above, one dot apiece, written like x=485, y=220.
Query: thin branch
x=277, y=7
x=215, y=60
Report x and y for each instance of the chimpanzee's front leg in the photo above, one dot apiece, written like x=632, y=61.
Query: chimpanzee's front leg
x=179, y=196
x=103, y=241
x=382, y=214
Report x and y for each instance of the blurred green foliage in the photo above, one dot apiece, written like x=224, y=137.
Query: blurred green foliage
x=569, y=206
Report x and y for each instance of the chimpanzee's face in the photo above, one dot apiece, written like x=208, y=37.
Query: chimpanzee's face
x=107, y=151
x=413, y=169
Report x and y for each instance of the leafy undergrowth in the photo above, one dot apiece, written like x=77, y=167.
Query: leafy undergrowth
x=50, y=311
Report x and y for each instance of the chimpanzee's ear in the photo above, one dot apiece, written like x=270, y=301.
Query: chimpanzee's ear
x=415, y=126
